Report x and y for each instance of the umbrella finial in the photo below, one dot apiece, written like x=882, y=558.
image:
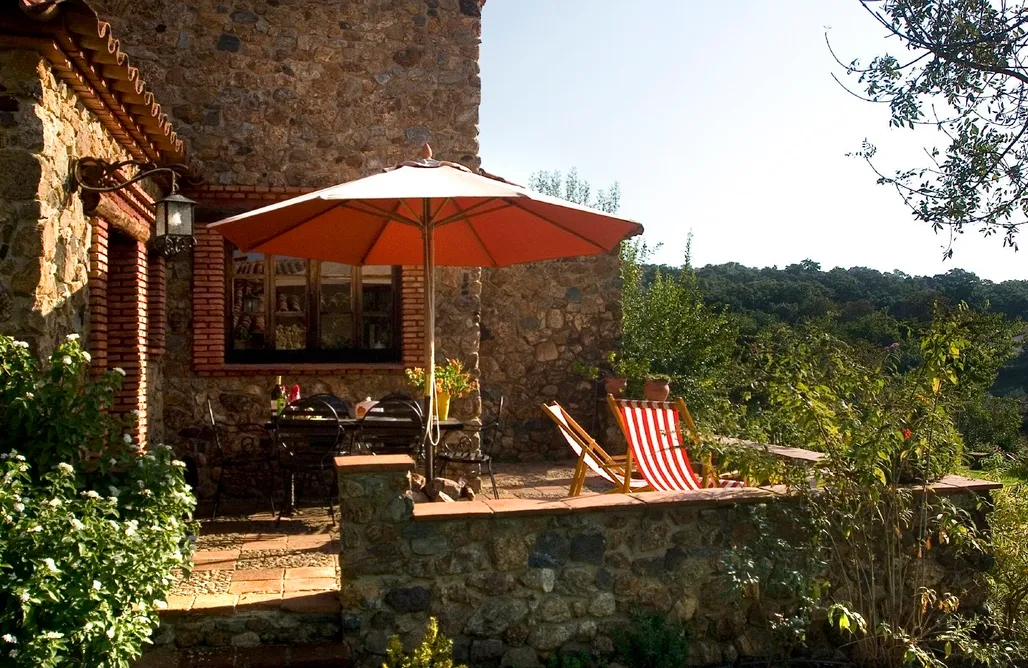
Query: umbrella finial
x=426, y=152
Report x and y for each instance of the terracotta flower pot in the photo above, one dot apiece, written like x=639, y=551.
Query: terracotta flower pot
x=657, y=389
x=615, y=386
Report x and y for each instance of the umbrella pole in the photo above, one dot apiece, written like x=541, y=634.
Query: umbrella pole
x=428, y=237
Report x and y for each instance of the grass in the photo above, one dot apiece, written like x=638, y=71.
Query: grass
x=1011, y=475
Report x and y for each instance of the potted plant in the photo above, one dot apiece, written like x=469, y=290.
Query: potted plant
x=623, y=370
x=657, y=387
x=451, y=380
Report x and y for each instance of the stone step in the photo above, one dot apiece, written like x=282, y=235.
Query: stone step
x=233, y=625
x=317, y=655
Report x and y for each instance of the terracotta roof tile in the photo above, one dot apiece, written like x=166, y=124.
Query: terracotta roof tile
x=84, y=54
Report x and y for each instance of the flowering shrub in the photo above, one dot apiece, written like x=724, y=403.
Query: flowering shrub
x=90, y=526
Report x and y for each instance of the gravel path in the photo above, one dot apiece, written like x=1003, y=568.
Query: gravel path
x=256, y=560
x=204, y=582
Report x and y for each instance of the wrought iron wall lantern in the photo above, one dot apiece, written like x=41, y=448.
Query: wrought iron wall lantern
x=173, y=215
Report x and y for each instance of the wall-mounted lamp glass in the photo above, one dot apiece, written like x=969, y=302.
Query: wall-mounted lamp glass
x=173, y=215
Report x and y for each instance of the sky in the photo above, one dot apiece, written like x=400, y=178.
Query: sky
x=720, y=118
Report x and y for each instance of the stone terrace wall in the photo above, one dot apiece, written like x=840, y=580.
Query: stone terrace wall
x=513, y=580
x=44, y=234
x=277, y=93
x=536, y=320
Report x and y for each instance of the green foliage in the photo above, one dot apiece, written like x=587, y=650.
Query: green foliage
x=90, y=526
x=1009, y=523
x=568, y=660
x=960, y=71
x=668, y=327
x=435, y=651
x=880, y=428
x=652, y=641
x=779, y=573
x=988, y=422
x=889, y=408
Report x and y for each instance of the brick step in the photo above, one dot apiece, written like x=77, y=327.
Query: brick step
x=319, y=655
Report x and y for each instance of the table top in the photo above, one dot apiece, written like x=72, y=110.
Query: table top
x=316, y=422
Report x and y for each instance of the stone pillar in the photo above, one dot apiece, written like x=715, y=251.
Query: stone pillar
x=375, y=506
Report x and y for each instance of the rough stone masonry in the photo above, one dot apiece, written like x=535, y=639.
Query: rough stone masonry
x=513, y=581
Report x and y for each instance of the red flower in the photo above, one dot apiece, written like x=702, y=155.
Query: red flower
x=907, y=434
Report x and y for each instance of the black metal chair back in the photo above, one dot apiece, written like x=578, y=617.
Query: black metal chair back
x=491, y=430
x=310, y=429
x=395, y=424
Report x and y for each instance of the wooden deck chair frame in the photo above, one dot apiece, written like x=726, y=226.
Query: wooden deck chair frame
x=617, y=469
x=708, y=474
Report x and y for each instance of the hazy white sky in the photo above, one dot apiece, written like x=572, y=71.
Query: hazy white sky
x=719, y=117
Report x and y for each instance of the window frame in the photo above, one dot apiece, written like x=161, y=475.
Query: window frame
x=313, y=353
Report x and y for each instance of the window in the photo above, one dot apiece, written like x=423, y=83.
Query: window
x=285, y=309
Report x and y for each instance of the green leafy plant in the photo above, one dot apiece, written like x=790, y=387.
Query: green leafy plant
x=92, y=525
x=652, y=641
x=587, y=371
x=886, y=433
x=435, y=651
x=670, y=332
x=1010, y=547
x=568, y=660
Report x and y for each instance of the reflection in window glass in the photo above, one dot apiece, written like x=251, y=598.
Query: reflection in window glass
x=290, y=303
x=377, y=306
x=336, y=317
x=248, y=301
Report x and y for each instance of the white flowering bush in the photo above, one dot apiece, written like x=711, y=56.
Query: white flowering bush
x=91, y=525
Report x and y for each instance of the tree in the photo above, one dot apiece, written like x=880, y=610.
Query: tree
x=574, y=189
x=962, y=71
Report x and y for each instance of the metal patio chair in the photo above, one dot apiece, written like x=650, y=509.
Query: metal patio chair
x=465, y=453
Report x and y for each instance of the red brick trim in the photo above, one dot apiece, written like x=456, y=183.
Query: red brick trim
x=127, y=326
x=156, y=283
x=209, y=335
x=97, y=325
x=249, y=196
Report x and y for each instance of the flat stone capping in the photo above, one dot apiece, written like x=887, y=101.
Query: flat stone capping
x=785, y=452
x=373, y=463
x=704, y=498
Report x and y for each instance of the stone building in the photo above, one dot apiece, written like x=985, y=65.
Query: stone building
x=265, y=99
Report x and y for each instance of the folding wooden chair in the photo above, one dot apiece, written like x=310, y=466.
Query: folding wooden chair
x=616, y=470
x=653, y=430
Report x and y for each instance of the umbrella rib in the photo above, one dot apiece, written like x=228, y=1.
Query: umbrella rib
x=415, y=216
x=467, y=221
x=378, y=235
x=290, y=228
x=375, y=211
x=467, y=214
x=558, y=225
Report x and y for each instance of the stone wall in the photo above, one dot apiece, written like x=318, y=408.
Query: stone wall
x=312, y=93
x=275, y=94
x=536, y=320
x=44, y=234
x=512, y=581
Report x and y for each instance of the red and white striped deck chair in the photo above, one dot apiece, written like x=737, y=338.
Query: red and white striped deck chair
x=616, y=470
x=653, y=430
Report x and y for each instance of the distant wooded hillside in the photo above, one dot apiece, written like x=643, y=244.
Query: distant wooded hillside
x=868, y=304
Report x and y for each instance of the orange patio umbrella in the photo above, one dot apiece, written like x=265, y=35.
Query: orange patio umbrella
x=430, y=213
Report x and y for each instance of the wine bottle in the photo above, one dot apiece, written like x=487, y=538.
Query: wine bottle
x=278, y=397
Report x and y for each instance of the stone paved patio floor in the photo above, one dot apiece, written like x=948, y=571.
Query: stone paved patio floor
x=246, y=560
